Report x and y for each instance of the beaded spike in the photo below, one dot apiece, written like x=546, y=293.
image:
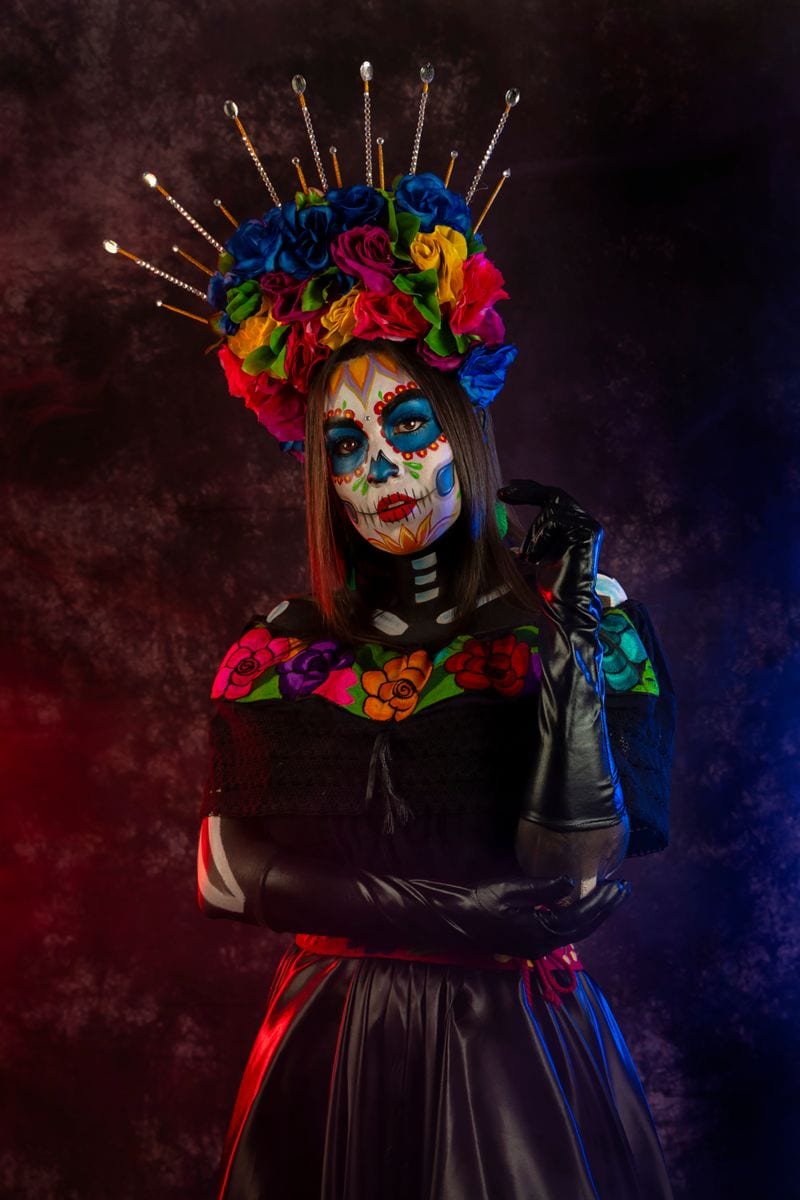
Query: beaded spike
x=231, y=110
x=113, y=248
x=366, y=72
x=512, y=100
x=149, y=178
x=299, y=87
x=426, y=74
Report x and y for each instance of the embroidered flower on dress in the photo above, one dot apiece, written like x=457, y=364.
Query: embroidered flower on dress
x=394, y=689
x=248, y=659
x=501, y=664
x=308, y=670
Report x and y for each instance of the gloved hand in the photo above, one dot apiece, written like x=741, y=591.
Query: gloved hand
x=290, y=891
x=574, y=785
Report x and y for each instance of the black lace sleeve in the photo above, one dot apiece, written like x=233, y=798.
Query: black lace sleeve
x=641, y=729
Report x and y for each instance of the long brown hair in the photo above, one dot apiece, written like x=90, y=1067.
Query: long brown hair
x=483, y=560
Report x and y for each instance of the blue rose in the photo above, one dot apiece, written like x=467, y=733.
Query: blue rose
x=306, y=249
x=356, y=205
x=426, y=197
x=218, y=290
x=483, y=372
x=256, y=245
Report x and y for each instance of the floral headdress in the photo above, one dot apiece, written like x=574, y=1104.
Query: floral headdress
x=405, y=263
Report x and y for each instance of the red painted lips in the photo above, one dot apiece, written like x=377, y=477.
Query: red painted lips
x=395, y=507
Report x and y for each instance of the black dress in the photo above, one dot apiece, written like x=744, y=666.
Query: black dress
x=379, y=1078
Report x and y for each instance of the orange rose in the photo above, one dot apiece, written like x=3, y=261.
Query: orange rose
x=393, y=691
x=254, y=332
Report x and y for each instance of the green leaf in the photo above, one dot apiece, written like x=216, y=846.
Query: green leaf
x=422, y=286
x=266, y=690
x=315, y=294
x=279, y=337
x=407, y=230
x=442, y=689
x=225, y=262
x=391, y=218
x=270, y=357
x=243, y=301
x=442, y=341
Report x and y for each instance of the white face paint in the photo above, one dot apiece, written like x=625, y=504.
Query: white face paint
x=391, y=464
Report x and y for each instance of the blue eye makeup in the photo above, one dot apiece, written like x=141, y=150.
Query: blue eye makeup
x=409, y=424
x=347, y=448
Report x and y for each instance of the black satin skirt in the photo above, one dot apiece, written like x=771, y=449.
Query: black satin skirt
x=384, y=1079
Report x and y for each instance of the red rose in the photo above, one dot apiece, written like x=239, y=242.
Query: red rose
x=501, y=664
x=304, y=352
x=482, y=288
x=391, y=316
x=239, y=383
x=280, y=408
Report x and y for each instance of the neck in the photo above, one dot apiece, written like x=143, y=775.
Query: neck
x=406, y=592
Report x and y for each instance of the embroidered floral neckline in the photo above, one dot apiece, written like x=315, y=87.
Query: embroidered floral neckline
x=375, y=682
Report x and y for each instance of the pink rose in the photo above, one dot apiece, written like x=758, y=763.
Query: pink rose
x=442, y=362
x=482, y=287
x=490, y=329
x=391, y=316
x=286, y=294
x=366, y=252
x=247, y=660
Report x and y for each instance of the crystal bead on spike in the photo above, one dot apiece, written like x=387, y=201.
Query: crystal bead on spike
x=365, y=71
x=426, y=73
x=512, y=97
x=231, y=109
x=298, y=84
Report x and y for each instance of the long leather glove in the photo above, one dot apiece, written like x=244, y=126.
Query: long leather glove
x=242, y=874
x=574, y=788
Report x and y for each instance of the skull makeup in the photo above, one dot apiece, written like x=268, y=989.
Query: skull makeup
x=391, y=465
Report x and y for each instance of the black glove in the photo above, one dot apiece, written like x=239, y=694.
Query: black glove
x=574, y=785
x=289, y=891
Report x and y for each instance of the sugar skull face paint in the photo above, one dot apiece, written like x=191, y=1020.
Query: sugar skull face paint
x=391, y=463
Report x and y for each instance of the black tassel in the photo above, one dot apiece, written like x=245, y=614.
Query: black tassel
x=396, y=811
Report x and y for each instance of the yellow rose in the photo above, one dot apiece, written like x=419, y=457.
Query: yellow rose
x=254, y=332
x=339, y=321
x=443, y=251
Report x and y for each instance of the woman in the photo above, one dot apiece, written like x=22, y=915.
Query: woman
x=422, y=770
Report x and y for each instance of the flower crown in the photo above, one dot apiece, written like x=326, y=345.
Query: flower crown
x=404, y=263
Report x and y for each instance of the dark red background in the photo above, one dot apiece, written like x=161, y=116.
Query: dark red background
x=649, y=239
